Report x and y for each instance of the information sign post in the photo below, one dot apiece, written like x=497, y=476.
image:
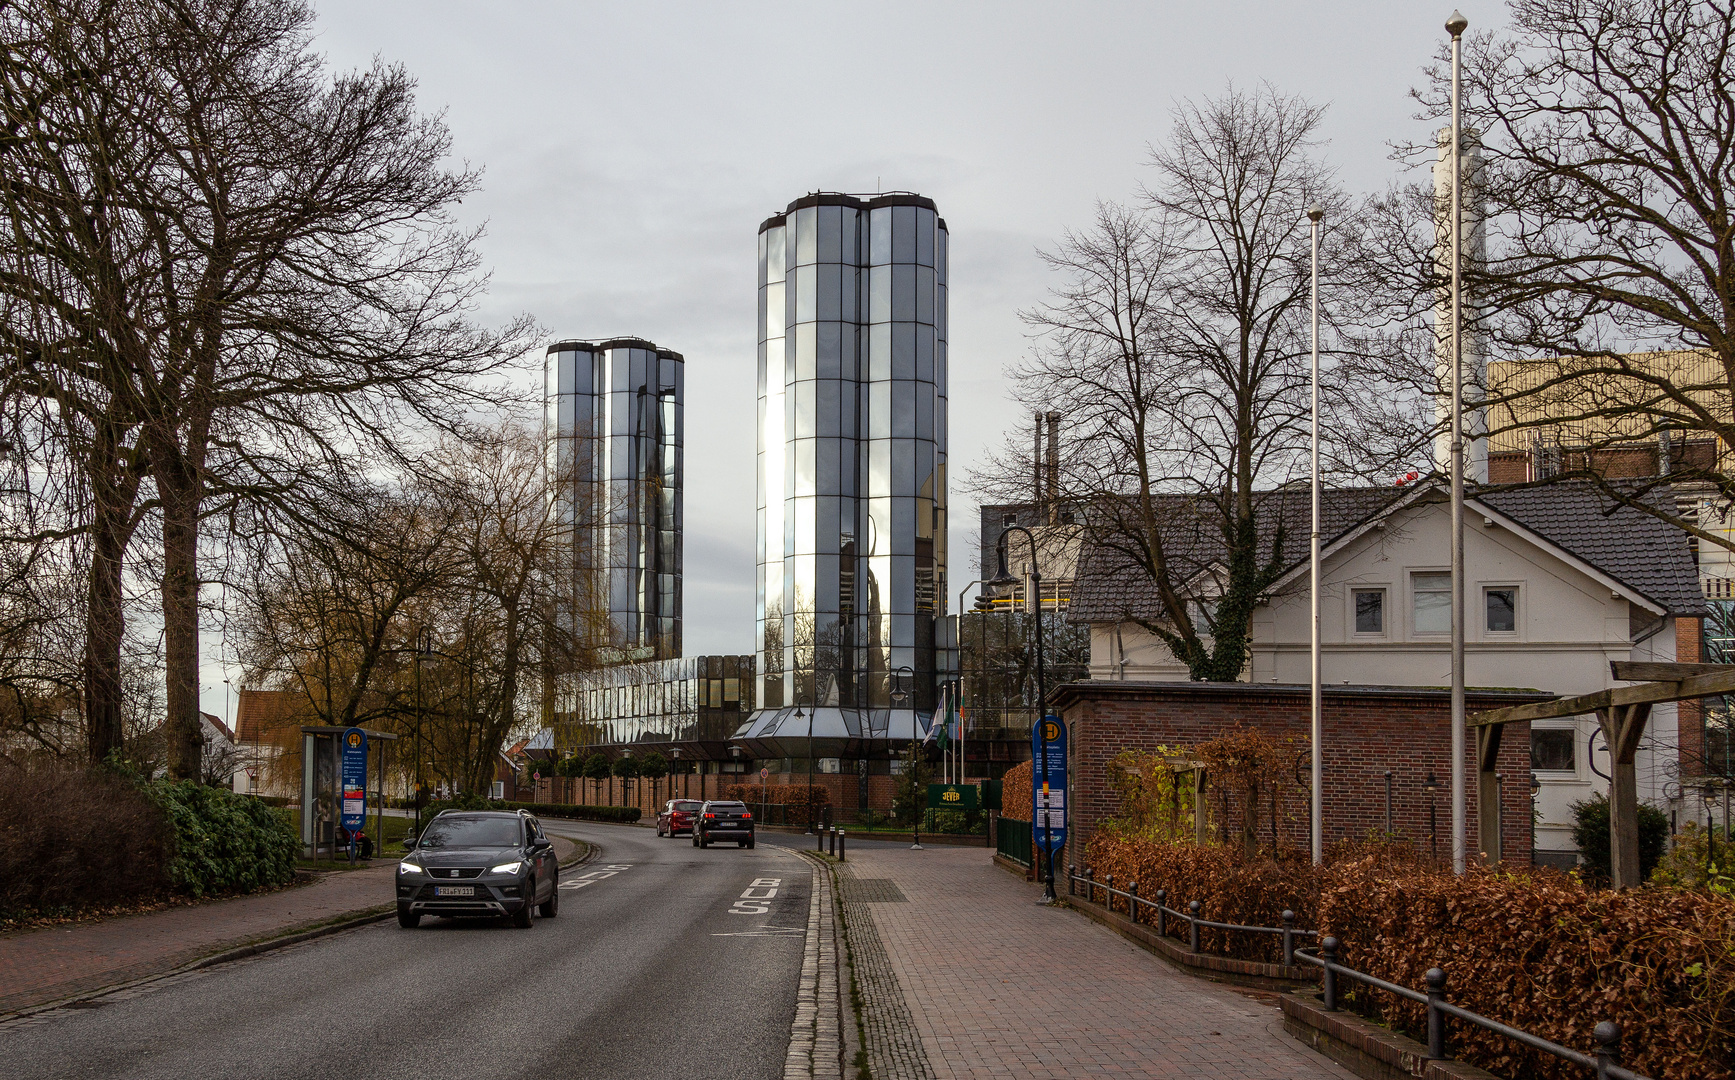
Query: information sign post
x=353, y=815
x=1048, y=794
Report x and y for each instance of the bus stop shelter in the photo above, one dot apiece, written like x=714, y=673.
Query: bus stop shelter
x=321, y=775
x=1622, y=712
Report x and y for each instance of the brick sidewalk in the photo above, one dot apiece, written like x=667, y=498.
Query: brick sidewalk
x=56, y=962
x=996, y=985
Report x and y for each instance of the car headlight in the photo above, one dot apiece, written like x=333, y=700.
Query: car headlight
x=408, y=868
x=506, y=868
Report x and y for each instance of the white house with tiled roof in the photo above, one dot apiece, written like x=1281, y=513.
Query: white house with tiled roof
x=1559, y=583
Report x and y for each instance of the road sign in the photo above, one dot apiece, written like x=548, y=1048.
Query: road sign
x=763, y=773
x=354, y=774
x=1048, y=782
x=954, y=797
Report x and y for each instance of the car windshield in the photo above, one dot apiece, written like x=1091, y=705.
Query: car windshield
x=686, y=807
x=470, y=832
x=727, y=806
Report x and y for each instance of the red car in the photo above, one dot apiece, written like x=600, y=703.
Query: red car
x=677, y=816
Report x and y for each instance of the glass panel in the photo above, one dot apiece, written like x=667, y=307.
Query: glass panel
x=903, y=350
x=806, y=293
x=924, y=236
x=903, y=234
x=774, y=254
x=828, y=251
x=1502, y=610
x=879, y=352
x=880, y=233
x=924, y=295
x=1554, y=750
x=1370, y=611
x=880, y=410
x=880, y=294
x=903, y=292
x=903, y=409
x=829, y=302
x=1432, y=602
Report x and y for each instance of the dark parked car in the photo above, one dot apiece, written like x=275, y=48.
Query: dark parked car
x=479, y=863
x=677, y=816
x=720, y=820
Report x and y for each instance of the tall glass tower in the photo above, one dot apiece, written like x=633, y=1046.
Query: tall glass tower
x=851, y=471
x=613, y=424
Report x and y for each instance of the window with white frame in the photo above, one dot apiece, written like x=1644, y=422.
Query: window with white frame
x=1554, y=750
x=1370, y=610
x=1500, y=604
x=1431, y=602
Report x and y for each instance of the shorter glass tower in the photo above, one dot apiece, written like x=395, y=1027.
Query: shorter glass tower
x=613, y=422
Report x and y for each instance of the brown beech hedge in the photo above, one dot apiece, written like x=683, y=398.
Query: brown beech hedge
x=1538, y=950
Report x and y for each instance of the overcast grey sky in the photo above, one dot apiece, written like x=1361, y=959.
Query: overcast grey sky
x=631, y=150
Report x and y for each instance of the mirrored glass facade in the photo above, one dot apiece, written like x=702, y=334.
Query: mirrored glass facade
x=693, y=702
x=851, y=464
x=613, y=423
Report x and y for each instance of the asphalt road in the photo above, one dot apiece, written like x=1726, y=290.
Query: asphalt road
x=652, y=969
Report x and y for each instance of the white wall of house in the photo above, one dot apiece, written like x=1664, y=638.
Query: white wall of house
x=1568, y=623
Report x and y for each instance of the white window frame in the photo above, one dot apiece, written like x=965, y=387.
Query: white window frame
x=1559, y=775
x=1517, y=631
x=1410, y=604
x=1385, y=591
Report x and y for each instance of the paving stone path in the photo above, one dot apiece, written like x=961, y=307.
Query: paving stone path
x=968, y=976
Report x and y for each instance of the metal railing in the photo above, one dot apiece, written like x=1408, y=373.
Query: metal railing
x=1288, y=931
x=1012, y=839
x=1607, y=1033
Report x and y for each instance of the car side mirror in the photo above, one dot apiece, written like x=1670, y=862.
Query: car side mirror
x=540, y=843
x=409, y=843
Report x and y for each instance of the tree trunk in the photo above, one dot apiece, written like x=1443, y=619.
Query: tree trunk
x=105, y=625
x=179, y=493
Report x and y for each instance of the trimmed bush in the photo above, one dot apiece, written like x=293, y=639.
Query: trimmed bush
x=72, y=838
x=1540, y=950
x=804, y=802
x=224, y=842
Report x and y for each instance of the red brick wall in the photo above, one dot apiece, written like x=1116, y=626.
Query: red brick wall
x=1367, y=732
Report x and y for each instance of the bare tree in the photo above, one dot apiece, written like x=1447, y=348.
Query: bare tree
x=1177, y=351
x=298, y=284
x=1607, y=129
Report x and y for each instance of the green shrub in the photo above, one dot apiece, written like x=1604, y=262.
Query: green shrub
x=224, y=842
x=956, y=821
x=1590, y=831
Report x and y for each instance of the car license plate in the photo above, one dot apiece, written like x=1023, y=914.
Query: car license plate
x=454, y=890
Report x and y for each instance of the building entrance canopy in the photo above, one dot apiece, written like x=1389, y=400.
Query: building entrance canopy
x=836, y=732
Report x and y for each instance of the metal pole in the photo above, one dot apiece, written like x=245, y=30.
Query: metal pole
x=1317, y=802
x=1456, y=26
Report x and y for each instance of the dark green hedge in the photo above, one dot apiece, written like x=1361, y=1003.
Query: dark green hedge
x=224, y=841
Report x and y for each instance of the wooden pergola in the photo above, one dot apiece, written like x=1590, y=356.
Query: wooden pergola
x=1622, y=712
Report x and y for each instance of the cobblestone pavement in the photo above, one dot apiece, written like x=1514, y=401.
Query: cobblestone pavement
x=57, y=962
x=816, y=1042
x=986, y=982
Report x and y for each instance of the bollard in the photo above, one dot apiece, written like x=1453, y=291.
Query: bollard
x=1133, y=901
x=1288, y=938
x=1162, y=923
x=1328, y=983
x=1071, y=879
x=819, y=838
x=1090, y=884
x=840, y=839
x=1608, y=1047
x=1108, y=891
x=1436, y=980
x=1193, y=924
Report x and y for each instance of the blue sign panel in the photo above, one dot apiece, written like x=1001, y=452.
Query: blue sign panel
x=354, y=779
x=1048, y=783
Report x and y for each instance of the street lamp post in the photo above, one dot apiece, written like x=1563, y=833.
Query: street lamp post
x=958, y=696
x=674, y=763
x=899, y=696
x=1456, y=25
x=1317, y=801
x=1004, y=578
x=1432, y=787
x=810, y=713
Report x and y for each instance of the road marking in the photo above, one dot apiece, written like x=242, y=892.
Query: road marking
x=595, y=876
x=767, y=931
x=750, y=904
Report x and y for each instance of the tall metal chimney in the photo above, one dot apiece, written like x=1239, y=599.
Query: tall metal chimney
x=1054, y=468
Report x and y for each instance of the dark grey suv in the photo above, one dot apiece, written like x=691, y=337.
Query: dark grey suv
x=719, y=820
x=479, y=863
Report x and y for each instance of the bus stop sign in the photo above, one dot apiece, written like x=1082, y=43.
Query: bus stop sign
x=354, y=777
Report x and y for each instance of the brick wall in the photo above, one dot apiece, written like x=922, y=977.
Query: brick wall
x=1368, y=730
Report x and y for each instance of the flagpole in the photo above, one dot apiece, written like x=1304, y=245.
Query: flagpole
x=1317, y=729
x=1456, y=26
